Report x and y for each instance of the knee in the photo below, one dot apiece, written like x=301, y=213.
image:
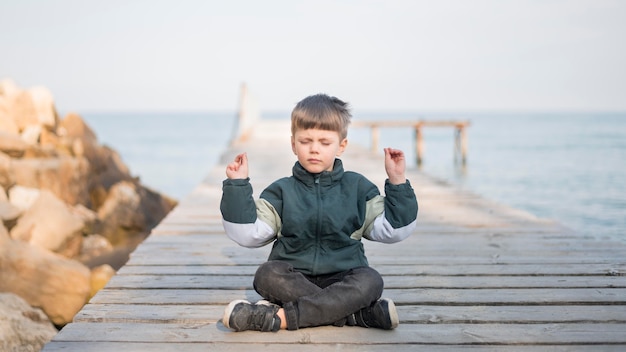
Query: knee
x=372, y=282
x=268, y=272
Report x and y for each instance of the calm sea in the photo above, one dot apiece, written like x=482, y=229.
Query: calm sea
x=567, y=167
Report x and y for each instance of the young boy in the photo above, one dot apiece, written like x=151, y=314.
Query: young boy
x=317, y=273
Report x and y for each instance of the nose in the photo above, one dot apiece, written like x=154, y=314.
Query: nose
x=314, y=147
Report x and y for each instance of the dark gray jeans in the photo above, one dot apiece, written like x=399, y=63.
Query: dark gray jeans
x=317, y=300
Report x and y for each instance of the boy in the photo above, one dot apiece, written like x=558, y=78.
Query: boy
x=317, y=273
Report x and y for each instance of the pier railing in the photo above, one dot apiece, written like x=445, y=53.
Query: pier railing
x=460, y=135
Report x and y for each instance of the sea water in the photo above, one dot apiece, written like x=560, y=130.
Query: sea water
x=570, y=167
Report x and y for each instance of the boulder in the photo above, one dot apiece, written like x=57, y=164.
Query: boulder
x=23, y=197
x=8, y=87
x=49, y=223
x=8, y=212
x=106, y=164
x=109, y=168
x=94, y=246
x=79, y=137
x=12, y=144
x=22, y=109
x=73, y=126
x=100, y=276
x=89, y=218
x=57, y=285
x=43, y=104
x=8, y=91
x=31, y=135
x=6, y=174
x=120, y=215
x=32, y=107
x=130, y=211
x=51, y=139
x=22, y=328
x=67, y=177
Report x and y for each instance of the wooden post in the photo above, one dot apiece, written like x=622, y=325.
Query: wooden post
x=460, y=144
x=419, y=144
x=375, y=138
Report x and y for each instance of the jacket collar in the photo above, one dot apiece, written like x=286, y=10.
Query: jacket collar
x=325, y=178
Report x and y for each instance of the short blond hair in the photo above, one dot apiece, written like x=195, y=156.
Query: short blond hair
x=323, y=112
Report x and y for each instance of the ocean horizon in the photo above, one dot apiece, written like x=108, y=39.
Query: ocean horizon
x=568, y=167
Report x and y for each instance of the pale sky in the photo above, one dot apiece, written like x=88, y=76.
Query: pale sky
x=451, y=55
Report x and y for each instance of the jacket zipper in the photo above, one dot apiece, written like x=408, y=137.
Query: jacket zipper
x=319, y=224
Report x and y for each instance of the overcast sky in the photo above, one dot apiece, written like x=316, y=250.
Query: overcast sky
x=411, y=55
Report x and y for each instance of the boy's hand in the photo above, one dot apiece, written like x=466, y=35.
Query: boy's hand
x=395, y=165
x=238, y=169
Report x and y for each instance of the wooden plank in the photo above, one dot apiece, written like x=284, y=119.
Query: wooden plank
x=477, y=282
x=405, y=270
x=415, y=243
x=427, y=296
x=413, y=314
x=476, y=334
x=256, y=257
x=114, y=346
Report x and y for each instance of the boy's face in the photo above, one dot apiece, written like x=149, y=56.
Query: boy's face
x=316, y=149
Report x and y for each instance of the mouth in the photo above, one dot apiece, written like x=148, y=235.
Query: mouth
x=314, y=161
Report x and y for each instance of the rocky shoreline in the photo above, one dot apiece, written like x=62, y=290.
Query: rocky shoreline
x=71, y=213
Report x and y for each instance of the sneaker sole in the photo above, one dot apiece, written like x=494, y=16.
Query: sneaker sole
x=229, y=310
x=393, y=313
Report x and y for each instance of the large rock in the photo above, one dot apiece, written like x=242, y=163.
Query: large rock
x=6, y=174
x=67, y=177
x=32, y=107
x=100, y=276
x=57, y=285
x=22, y=108
x=120, y=214
x=51, y=224
x=130, y=211
x=23, y=197
x=94, y=246
x=22, y=328
x=12, y=144
x=8, y=91
x=43, y=104
x=106, y=164
x=8, y=212
x=31, y=135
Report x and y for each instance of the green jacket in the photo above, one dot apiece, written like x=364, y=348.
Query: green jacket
x=317, y=220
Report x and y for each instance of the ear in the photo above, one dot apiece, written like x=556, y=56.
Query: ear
x=342, y=146
x=293, y=145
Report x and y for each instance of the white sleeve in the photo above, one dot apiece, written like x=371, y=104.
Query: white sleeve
x=382, y=231
x=263, y=231
x=253, y=235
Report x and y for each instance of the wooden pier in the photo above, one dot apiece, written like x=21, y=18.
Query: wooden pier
x=475, y=275
x=460, y=135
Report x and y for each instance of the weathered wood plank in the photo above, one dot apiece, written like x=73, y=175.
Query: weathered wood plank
x=256, y=257
x=425, y=296
x=72, y=346
x=414, y=314
x=610, y=269
x=515, y=334
x=477, y=282
x=418, y=243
